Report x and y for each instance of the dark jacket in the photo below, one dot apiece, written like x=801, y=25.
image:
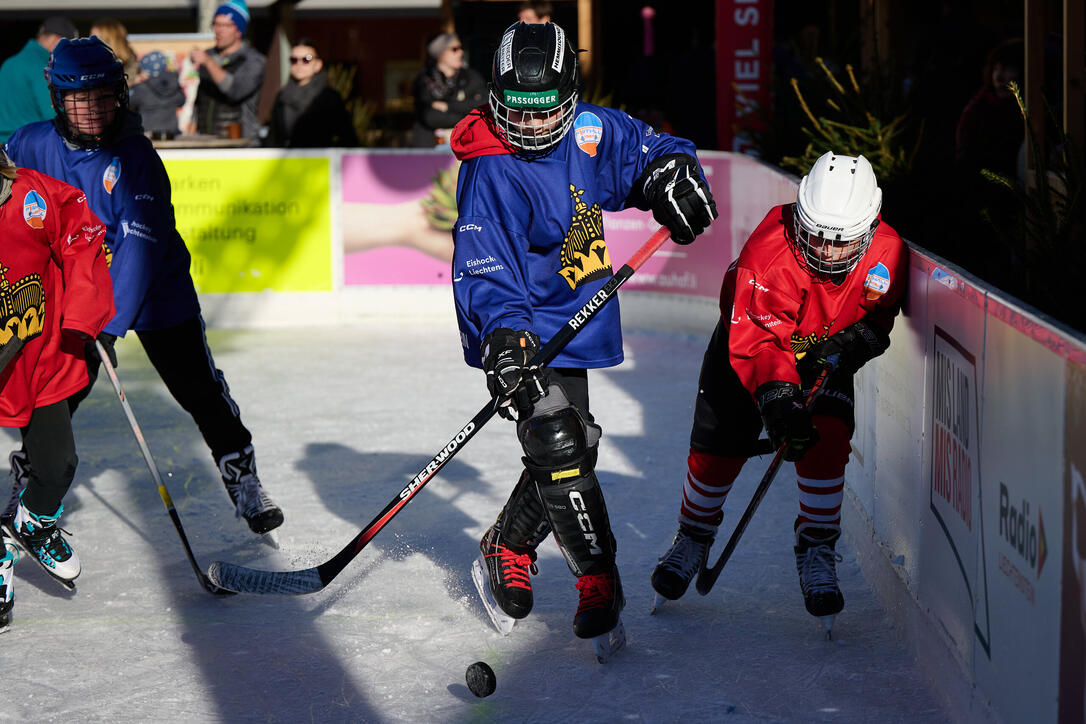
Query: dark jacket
x=463, y=92
x=310, y=116
x=234, y=99
x=157, y=100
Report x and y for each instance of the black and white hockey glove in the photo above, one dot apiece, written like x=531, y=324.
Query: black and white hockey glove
x=510, y=375
x=107, y=340
x=854, y=346
x=679, y=198
x=787, y=419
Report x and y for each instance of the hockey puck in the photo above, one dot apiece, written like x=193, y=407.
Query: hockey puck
x=481, y=680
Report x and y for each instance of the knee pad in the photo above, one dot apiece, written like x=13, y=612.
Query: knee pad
x=556, y=435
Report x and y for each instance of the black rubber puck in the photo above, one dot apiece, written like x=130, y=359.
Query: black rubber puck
x=481, y=679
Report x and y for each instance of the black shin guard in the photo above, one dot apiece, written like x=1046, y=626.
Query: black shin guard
x=523, y=522
x=574, y=504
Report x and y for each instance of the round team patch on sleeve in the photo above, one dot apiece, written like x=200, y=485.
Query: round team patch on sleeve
x=111, y=175
x=34, y=210
x=588, y=132
x=877, y=282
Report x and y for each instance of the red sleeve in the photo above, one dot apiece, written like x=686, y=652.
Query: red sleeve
x=88, y=289
x=892, y=252
x=766, y=300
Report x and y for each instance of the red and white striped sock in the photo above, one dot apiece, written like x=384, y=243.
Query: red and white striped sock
x=821, y=476
x=709, y=479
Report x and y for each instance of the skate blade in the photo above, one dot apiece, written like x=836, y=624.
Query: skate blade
x=501, y=620
x=827, y=626
x=269, y=538
x=658, y=602
x=608, y=644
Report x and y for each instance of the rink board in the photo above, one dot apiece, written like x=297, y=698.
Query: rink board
x=970, y=446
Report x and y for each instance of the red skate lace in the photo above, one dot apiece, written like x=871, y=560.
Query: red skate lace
x=596, y=591
x=515, y=567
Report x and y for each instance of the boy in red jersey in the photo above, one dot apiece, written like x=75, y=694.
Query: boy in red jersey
x=55, y=294
x=819, y=277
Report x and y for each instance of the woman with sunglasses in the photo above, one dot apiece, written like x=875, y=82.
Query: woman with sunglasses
x=308, y=113
x=445, y=91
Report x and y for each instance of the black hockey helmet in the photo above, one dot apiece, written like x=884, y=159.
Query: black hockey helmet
x=533, y=93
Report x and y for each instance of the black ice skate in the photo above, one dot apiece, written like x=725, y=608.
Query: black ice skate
x=597, y=618
x=20, y=475
x=43, y=540
x=501, y=576
x=677, y=567
x=251, y=502
x=816, y=562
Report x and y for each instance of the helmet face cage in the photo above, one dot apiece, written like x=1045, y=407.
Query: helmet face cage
x=831, y=256
x=79, y=68
x=534, y=92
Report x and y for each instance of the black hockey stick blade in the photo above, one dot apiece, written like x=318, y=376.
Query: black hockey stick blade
x=707, y=575
x=310, y=580
x=163, y=493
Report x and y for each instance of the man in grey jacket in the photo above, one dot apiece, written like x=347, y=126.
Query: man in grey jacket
x=231, y=74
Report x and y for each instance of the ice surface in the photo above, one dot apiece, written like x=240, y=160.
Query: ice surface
x=341, y=419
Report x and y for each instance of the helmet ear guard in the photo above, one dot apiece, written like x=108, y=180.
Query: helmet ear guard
x=836, y=213
x=533, y=92
x=86, y=64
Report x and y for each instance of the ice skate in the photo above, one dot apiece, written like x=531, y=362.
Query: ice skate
x=44, y=542
x=816, y=562
x=601, y=601
x=20, y=474
x=677, y=567
x=7, y=583
x=502, y=577
x=251, y=502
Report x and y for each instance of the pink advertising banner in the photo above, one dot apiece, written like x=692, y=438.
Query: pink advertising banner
x=398, y=210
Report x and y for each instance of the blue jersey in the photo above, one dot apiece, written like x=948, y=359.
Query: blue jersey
x=127, y=188
x=529, y=247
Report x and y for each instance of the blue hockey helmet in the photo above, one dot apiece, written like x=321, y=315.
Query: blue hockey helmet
x=87, y=64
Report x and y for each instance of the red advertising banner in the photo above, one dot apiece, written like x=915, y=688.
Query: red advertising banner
x=744, y=71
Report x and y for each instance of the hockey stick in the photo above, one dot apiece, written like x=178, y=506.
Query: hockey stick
x=162, y=492
x=309, y=580
x=708, y=574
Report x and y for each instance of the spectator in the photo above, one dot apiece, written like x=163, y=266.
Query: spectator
x=990, y=130
x=535, y=12
x=444, y=91
x=308, y=113
x=115, y=35
x=22, y=83
x=230, y=76
x=158, y=96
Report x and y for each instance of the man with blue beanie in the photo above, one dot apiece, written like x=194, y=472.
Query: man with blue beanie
x=231, y=74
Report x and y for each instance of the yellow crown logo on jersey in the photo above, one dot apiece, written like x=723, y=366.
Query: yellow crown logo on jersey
x=584, y=252
x=801, y=344
x=22, y=307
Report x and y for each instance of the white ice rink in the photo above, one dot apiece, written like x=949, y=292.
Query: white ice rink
x=341, y=419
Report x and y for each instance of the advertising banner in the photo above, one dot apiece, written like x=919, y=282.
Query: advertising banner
x=254, y=224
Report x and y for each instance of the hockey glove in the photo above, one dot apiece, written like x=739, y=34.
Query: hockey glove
x=854, y=346
x=787, y=419
x=679, y=198
x=510, y=375
x=107, y=341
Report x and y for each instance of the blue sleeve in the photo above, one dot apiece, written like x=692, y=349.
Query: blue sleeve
x=631, y=145
x=491, y=288
x=145, y=223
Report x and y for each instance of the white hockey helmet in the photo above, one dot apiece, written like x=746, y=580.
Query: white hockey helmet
x=837, y=210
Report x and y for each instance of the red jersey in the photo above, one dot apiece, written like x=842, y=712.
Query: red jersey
x=54, y=285
x=778, y=310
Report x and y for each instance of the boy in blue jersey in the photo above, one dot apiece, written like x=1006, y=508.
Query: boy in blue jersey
x=96, y=144
x=539, y=168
